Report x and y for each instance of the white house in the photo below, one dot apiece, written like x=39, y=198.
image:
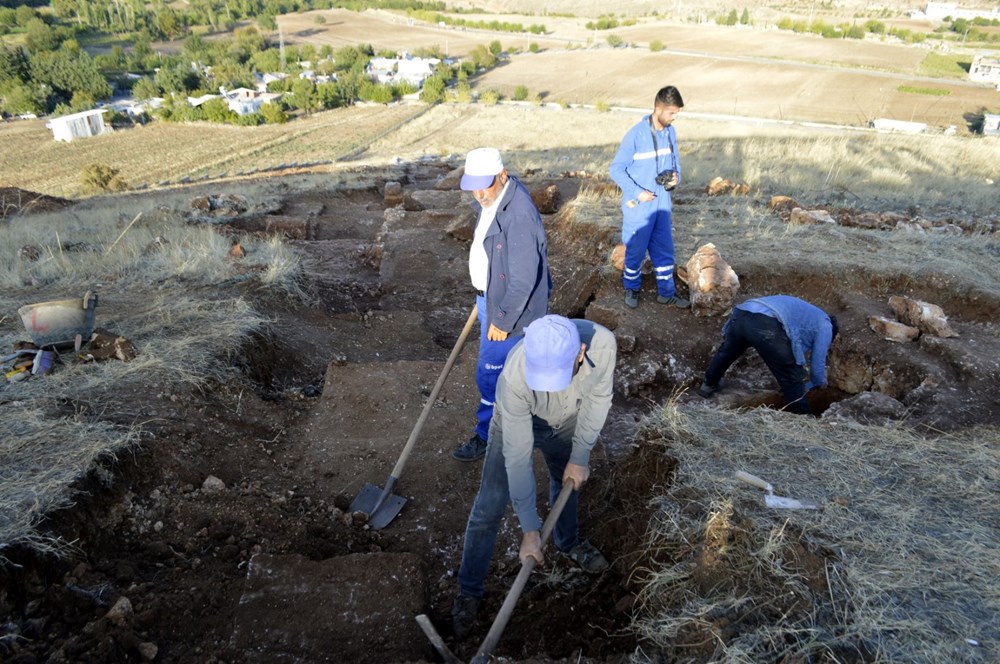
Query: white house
x=985, y=68
x=261, y=81
x=79, y=125
x=886, y=125
x=244, y=101
x=937, y=11
x=407, y=68
x=991, y=124
x=195, y=102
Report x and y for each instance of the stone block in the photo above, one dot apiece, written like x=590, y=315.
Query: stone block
x=928, y=318
x=891, y=330
x=711, y=281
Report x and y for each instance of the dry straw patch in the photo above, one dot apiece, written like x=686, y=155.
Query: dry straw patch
x=899, y=565
x=167, y=302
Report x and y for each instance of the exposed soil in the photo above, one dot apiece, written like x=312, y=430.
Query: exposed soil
x=14, y=201
x=270, y=565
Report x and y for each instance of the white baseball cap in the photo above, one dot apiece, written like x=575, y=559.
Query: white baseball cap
x=481, y=166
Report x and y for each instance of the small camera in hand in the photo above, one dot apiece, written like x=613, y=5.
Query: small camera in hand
x=665, y=179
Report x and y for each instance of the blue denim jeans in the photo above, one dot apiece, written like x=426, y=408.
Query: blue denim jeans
x=492, y=355
x=765, y=334
x=494, y=496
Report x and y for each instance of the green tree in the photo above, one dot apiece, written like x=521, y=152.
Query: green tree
x=433, y=90
x=489, y=98
x=217, y=110
x=304, y=95
x=273, y=114
x=39, y=36
x=533, y=47
x=732, y=18
x=495, y=47
x=24, y=15
x=745, y=17
x=656, y=45
x=269, y=22
x=145, y=88
x=521, y=93
x=614, y=41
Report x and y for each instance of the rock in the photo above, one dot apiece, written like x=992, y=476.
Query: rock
x=719, y=186
x=782, y=204
x=237, y=251
x=546, y=198
x=202, y=203
x=626, y=343
x=392, y=194
x=892, y=219
x=711, y=281
x=946, y=229
x=603, y=316
x=868, y=408
x=869, y=220
x=148, y=651
x=451, y=180
x=213, y=484
x=909, y=227
x=801, y=216
x=121, y=613
x=155, y=246
x=431, y=199
x=105, y=345
x=928, y=318
x=462, y=228
x=618, y=257
x=29, y=253
x=891, y=330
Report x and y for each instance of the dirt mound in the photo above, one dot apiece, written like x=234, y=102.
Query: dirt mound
x=21, y=201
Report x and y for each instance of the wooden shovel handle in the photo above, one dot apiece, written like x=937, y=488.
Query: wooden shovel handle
x=397, y=470
x=754, y=480
x=503, y=616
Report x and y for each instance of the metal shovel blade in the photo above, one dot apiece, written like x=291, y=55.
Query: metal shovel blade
x=780, y=502
x=379, y=516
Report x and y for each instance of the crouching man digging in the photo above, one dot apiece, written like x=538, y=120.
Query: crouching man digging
x=553, y=395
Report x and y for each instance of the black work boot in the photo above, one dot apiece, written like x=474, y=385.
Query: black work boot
x=471, y=451
x=463, y=615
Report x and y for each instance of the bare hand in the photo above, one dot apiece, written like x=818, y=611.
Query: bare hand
x=577, y=474
x=531, y=547
x=647, y=196
x=494, y=333
x=674, y=181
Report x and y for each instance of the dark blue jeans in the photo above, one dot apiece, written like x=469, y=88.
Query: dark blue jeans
x=768, y=337
x=493, y=498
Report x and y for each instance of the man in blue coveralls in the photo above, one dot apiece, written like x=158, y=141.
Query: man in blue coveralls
x=646, y=168
x=508, y=265
x=783, y=329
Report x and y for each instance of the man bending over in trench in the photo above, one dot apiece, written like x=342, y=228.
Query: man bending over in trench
x=553, y=395
x=783, y=329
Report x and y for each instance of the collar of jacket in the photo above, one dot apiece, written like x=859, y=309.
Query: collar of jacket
x=504, y=203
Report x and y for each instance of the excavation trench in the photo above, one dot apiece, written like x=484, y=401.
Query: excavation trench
x=272, y=565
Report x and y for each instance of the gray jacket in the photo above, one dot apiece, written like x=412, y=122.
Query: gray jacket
x=575, y=415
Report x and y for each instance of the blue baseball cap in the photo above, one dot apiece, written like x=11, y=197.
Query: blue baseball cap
x=551, y=346
x=481, y=166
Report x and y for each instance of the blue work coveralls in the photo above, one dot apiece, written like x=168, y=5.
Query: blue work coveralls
x=517, y=291
x=647, y=226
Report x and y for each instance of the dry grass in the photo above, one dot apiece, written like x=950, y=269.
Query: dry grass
x=168, y=153
x=899, y=566
x=167, y=302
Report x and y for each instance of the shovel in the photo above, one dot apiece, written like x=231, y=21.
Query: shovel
x=381, y=505
x=503, y=615
x=771, y=500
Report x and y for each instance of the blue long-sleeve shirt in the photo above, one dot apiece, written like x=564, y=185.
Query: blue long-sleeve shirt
x=808, y=328
x=575, y=415
x=636, y=163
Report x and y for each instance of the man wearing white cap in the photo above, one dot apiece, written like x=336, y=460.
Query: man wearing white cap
x=508, y=264
x=553, y=395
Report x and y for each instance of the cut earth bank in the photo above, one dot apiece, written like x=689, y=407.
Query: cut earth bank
x=229, y=533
